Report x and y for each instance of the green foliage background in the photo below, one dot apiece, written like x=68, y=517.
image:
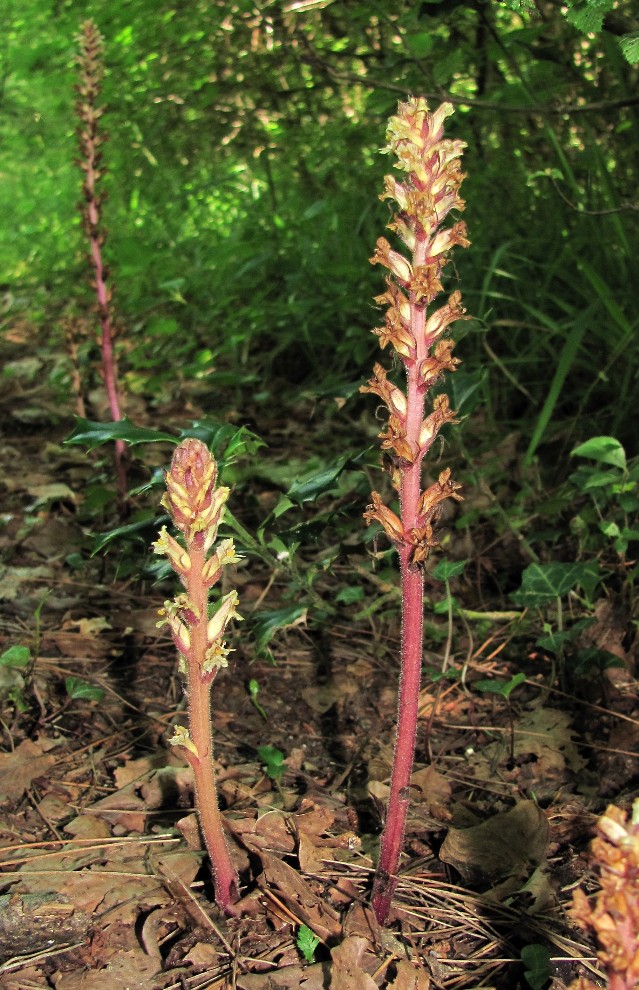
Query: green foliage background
x=244, y=177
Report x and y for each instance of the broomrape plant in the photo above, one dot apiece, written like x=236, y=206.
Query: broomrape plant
x=91, y=139
x=196, y=505
x=416, y=334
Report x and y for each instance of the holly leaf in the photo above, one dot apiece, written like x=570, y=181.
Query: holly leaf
x=91, y=435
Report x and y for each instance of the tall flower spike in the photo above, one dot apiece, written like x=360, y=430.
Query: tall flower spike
x=196, y=504
x=90, y=140
x=426, y=195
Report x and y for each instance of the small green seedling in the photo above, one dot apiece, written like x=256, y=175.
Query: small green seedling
x=307, y=943
x=273, y=760
x=444, y=571
x=254, y=690
x=536, y=959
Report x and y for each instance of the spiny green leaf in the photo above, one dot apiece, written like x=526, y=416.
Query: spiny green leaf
x=266, y=624
x=91, y=435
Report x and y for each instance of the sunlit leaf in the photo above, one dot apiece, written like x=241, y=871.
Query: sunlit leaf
x=606, y=450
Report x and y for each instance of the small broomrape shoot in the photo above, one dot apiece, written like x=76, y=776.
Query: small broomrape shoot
x=196, y=506
x=614, y=918
x=430, y=191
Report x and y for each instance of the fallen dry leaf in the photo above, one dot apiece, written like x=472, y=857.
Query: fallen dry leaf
x=287, y=978
x=12, y=579
x=131, y=969
x=511, y=843
x=299, y=897
x=347, y=972
x=21, y=767
x=409, y=978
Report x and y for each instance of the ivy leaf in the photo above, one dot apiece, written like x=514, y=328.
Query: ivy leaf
x=218, y=436
x=139, y=530
x=542, y=583
x=318, y=484
x=536, y=959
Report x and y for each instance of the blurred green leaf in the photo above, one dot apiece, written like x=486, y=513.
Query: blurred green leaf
x=273, y=760
x=16, y=656
x=82, y=690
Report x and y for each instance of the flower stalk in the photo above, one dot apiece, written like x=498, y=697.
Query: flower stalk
x=91, y=139
x=416, y=332
x=196, y=505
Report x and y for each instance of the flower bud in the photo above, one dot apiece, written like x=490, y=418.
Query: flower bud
x=392, y=260
x=378, y=512
x=225, y=612
x=190, y=485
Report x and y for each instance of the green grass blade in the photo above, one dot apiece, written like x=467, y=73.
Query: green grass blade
x=564, y=364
